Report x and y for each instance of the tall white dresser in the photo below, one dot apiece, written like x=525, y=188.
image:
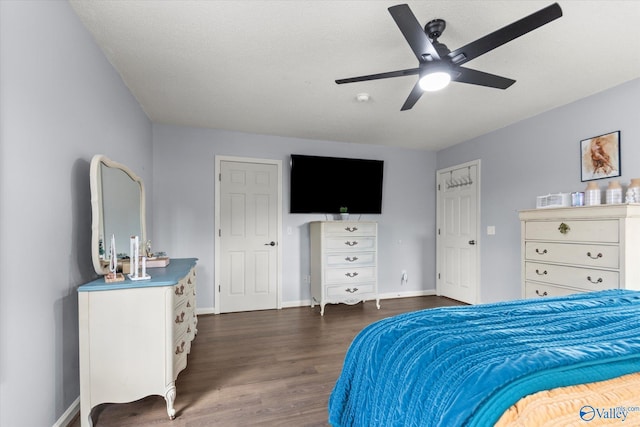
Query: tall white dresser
x=581, y=249
x=344, y=262
x=135, y=336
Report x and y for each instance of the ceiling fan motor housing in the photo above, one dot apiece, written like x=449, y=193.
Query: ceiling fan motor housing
x=435, y=28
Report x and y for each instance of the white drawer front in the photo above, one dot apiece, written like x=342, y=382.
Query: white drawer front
x=582, y=254
x=181, y=347
x=583, y=278
x=348, y=259
x=537, y=290
x=350, y=275
x=180, y=319
x=350, y=291
x=605, y=231
x=350, y=243
x=350, y=229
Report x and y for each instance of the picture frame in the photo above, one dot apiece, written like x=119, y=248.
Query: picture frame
x=600, y=157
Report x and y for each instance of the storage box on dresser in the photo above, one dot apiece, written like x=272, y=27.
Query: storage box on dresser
x=344, y=262
x=581, y=249
x=135, y=336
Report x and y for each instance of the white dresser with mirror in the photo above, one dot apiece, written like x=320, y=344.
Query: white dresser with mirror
x=134, y=335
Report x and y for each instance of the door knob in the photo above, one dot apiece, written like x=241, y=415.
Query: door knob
x=272, y=243
x=472, y=242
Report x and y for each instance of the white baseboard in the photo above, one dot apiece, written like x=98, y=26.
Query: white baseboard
x=423, y=293
x=304, y=303
x=300, y=303
x=69, y=415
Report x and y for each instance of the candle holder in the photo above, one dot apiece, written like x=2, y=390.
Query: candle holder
x=137, y=262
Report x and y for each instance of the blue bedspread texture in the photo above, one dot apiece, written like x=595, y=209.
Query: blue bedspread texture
x=466, y=365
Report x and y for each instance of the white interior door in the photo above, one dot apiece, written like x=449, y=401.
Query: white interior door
x=458, y=274
x=248, y=232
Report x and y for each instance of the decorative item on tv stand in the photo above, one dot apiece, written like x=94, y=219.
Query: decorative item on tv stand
x=592, y=194
x=344, y=213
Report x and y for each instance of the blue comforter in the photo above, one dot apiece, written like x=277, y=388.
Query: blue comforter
x=466, y=365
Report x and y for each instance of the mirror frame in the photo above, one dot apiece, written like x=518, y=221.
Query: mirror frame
x=97, y=204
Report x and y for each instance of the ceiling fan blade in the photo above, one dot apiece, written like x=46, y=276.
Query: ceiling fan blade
x=505, y=34
x=413, y=32
x=475, y=77
x=415, y=94
x=399, y=73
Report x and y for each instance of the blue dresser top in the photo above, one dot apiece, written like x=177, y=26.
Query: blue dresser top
x=160, y=276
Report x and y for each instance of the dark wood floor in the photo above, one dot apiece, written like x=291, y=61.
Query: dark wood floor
x=267, y=368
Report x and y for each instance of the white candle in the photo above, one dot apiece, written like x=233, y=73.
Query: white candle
x=131, y=245
x=144, y=266
x=136, y=251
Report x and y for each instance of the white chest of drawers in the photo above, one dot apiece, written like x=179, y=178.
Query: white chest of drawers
x=588, y=248
x=135, y=336
x=344, y=262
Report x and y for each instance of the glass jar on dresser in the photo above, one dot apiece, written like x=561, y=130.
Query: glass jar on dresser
x=344, y=262
x=581, y=249
x=135, y=336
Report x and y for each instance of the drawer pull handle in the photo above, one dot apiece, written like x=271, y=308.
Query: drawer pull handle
x=351, y=291
x=543, y=294
x=351, y=229
x=594, y=257
x=351, y=274
x=563, y=228
x=351, y=259
x=348, y=243
x=180, y=318
x=597, y=281
x=180, y=348
x=541, y=252
x=180, y=290
x=544, y=273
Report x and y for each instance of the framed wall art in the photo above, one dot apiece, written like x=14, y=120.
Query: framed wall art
x=600, y=156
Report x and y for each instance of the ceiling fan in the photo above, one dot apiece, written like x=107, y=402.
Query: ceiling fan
x=437, y=65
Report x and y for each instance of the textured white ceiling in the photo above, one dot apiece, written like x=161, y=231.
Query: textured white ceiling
x=269, y=67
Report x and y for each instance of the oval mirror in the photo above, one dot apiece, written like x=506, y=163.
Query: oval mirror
x=117, y=209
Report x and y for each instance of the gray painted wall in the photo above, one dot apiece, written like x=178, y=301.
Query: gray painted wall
x=535, y=157
x=61, y=102
x=184, y=180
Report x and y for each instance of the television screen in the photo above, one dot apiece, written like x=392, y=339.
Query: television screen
x=325, y=184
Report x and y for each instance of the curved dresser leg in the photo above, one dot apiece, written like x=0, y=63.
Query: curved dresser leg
x=322, y=309
x=86, y=412
x=378, y=303
x=170, y=397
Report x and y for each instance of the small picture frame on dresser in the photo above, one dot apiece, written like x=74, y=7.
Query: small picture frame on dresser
x=600, y=156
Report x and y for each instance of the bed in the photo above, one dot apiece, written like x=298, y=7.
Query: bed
x=473, y=365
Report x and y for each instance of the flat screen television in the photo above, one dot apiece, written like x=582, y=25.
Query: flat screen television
x=325, y=184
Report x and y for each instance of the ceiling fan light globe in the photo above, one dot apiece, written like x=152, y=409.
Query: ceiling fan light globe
x=435, y=81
